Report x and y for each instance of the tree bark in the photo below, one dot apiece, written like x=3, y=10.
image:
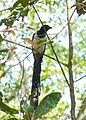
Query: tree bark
x=72, y=95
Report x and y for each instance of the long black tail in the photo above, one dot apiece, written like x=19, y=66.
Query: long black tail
x=36, y=89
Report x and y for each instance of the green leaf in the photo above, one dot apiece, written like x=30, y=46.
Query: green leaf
x=77, y=4
x=24, y=13
x=41, y=41
x=16, y=4
x=48, y=103
x=12, y=119
x=24, y=2
x=1, y=39
x=27, y=107
x=14, y=13
x=50, y=42
x=19, y=8
x=9, y=23
x=3, y=21
x=4, y=50
x=1, y=95
x=7, y=109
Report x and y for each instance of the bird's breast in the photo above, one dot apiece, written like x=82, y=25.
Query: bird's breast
x=40, y=44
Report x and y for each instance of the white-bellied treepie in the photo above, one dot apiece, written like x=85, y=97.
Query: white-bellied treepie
x=39, y=37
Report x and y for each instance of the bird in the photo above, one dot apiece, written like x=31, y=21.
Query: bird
x=39, y=37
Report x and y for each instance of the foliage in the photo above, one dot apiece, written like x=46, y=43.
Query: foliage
x=47, y=104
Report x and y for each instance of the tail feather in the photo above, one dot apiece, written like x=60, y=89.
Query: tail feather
x=36, y=89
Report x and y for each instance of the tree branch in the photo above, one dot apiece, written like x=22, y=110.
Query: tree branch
x=17, y=44
x=72, y=95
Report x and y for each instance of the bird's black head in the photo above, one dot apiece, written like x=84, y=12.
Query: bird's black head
x=42, y=32
x=45, y=28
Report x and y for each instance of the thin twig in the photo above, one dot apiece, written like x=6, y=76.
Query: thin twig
x=17, y=44
x=56, y=60
x=60, y=65
x=59, y=31
x=18, y=62
x=6, y=9
x=22, y=75
x=64, y=25
x=80, y=78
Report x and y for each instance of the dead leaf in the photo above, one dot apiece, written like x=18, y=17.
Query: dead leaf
x=13, y=48
x=7, y=30
x=28, y=40
x=30, y=28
